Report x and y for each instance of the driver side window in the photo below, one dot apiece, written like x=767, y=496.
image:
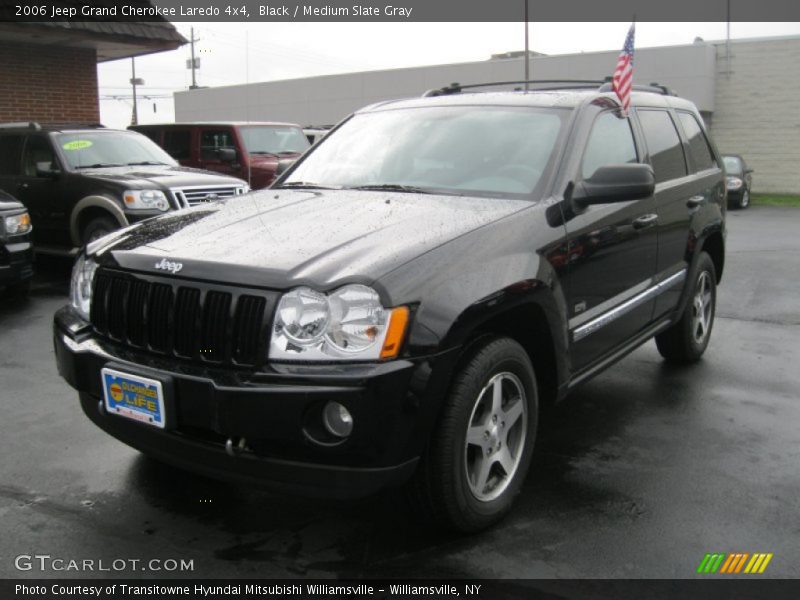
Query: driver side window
x=610, y=143
x=38, y=151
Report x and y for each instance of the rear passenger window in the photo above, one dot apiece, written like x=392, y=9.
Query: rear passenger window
x=610, y=143
x=10, y=154
x=699, y=149
x=211, y=140
x=663, y=144
x=178, y=144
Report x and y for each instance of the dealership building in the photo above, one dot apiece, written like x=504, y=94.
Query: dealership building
x=748, y=91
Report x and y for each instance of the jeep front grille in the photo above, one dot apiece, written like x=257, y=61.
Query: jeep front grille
x=212, y=324
x=192, y=196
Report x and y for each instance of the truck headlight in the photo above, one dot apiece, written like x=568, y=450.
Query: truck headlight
x=17, y=224
x=734, y=183
x=146, y=200
x=81, y=285
x=348, y=324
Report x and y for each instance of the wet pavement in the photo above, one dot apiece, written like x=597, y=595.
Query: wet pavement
x=638, y=473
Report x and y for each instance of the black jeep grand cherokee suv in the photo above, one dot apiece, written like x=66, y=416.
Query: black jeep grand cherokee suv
x=402, y=304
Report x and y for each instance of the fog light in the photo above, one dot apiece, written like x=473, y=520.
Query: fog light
x=337, y=419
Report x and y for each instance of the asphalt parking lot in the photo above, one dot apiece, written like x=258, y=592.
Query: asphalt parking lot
x=638, y=474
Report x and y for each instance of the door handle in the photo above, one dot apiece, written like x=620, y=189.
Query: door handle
x=645, y=221
x=695, y=201
x=22, y=186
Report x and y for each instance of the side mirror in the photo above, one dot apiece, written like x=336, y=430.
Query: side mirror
x=45, y=169
x=748, y=171
x=226, y=155
x=616, y=183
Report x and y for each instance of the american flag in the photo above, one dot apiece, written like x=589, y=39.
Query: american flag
x=623, y=74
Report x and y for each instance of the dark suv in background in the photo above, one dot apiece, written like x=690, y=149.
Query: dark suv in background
x=254, y=151
x=81, y=182
x=402, y=303
x=16, y=252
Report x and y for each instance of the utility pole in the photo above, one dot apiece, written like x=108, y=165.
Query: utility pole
x=194, y=62
x=134, y=82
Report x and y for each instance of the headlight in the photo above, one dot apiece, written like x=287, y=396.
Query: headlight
x=734, y=183
x=81, y=285
x=17, y=224
x=350, y=323
x=145, y=200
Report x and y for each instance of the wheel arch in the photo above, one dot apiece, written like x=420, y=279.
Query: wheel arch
x=92, y=207
x=528, y=313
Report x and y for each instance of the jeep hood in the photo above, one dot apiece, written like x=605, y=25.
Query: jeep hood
x=282, y=238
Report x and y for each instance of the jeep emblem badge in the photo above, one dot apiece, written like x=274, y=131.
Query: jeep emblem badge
x=166, y=265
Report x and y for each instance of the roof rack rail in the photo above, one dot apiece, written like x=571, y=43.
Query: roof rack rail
x=21, y=125
x=603, y=85
x=457, y=88
x=655, y=88
x=76, y=125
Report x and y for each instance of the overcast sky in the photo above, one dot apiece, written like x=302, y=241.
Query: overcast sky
x=236, y=53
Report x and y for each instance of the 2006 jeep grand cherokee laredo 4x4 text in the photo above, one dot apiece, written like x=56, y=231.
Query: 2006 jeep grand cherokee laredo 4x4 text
x=401, y=305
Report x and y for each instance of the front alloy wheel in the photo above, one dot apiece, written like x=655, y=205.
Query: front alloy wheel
x=496, y=436
x=745, y=201
x=478, y=455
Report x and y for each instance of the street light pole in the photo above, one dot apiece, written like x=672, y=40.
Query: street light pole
x=134, y=81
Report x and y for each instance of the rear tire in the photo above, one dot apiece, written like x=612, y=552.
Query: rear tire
x=685, y=341
x=97, y=228
x=479, y=454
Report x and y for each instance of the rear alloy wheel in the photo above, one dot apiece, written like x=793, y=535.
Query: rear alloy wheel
x=479, y=455
x=686, y=340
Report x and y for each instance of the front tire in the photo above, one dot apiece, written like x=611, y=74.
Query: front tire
x=685, y=341
x=97, y=228
x=481, y=450
x=744, y=202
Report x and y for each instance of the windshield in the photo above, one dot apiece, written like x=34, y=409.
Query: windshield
x=97, y=149
x=495, y=151
x=274, y=140
x=732, y=164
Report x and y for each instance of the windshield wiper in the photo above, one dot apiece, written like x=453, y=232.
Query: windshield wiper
x=146, y=162
x=98, y=166
x=391, y=187
x=307, y=185
x=264, y=153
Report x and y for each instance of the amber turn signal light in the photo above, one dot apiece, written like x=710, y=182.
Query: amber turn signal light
x=396, y=332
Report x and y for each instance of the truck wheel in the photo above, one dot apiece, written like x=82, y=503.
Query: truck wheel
x=478, y=456
x=97, y=228
x=686, y=340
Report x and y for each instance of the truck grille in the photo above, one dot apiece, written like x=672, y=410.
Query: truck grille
x=192, y=196
x=209, y=324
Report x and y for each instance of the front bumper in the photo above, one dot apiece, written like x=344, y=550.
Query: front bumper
x=393, y=406
x=16, y=261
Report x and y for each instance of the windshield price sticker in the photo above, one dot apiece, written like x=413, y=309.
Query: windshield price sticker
x=77, y=145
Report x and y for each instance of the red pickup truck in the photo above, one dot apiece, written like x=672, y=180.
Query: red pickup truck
x=251, y=151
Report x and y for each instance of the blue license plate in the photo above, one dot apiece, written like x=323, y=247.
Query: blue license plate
x=134, y=397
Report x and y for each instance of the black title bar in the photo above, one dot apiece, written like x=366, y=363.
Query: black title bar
x=398, y=10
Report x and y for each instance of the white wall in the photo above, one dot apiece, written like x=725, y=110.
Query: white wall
x=327, y=99
x=757, y=110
